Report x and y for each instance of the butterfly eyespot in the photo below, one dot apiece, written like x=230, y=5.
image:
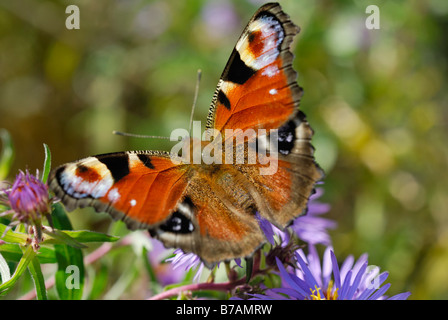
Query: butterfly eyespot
x=81, y=169
x=253, y=35
x=286, y=137
x=178, y=223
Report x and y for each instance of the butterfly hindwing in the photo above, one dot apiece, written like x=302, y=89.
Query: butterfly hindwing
x=213, y=220
x=283, y=195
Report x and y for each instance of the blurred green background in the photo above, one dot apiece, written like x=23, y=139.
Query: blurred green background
x=375, y=98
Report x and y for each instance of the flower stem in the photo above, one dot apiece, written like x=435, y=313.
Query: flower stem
x=89, y=259
x=224, y=286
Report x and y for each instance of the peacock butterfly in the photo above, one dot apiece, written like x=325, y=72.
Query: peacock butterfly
x=210, y=208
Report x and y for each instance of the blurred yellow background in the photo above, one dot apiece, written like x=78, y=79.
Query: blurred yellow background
x=375, y=98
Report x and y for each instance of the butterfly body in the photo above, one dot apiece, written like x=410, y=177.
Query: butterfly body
x=256, y=157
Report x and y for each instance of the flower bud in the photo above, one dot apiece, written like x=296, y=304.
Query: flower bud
x=28, y=198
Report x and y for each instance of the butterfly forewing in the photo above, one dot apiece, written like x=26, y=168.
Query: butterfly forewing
x=257, y=88
x=141, y=188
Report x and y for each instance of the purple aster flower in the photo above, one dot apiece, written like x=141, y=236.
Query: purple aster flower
x=312, y=228
x=27, y=198
x=187, y=261
x=166, y=273
x=313, y=281
x=28, y=201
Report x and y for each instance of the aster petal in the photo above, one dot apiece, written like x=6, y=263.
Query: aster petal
x=318, y=192
x=175, y=259
x=19, y=178
x=314, y=264
x=259, y=296
x=283, y=235
x=326, y=267
x=337, y=277
x=346, y=266
x=369, y=275
x=289, y=292
x=379, y=293
x=287, y=278
x=400, y=296
x=317, y=208
x=266, y=227
x=199, y=272
x=309, y=278
x=360, y=263
x=371, y=287
x=345, y=286
x=238, y=262
x=382, y=277
x=355, y=285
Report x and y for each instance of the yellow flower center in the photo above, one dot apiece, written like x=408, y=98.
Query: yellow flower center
x=328, y=295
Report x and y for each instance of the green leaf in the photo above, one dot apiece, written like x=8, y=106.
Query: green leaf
x=47, y=164
x=70, y=274
x=12, y=236
x=91, y=236
x=28, y=255
x=148, y=266
x=100, y=283
x=13, y=253
x=84, y=236
x=7, y=153
x=61, y=237
x=38, y=278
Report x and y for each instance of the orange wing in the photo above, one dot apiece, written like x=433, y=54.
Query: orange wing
x=141, y=188
x=258, y=88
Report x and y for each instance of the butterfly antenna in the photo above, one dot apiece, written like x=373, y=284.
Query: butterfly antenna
x=198, y=80
x=126, y=134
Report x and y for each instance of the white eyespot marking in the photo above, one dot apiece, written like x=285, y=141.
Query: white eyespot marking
x=177, y=224
x=79, y=187
x=272, y=91
x=113, y=195
x=133, y=202
x=272, y=35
